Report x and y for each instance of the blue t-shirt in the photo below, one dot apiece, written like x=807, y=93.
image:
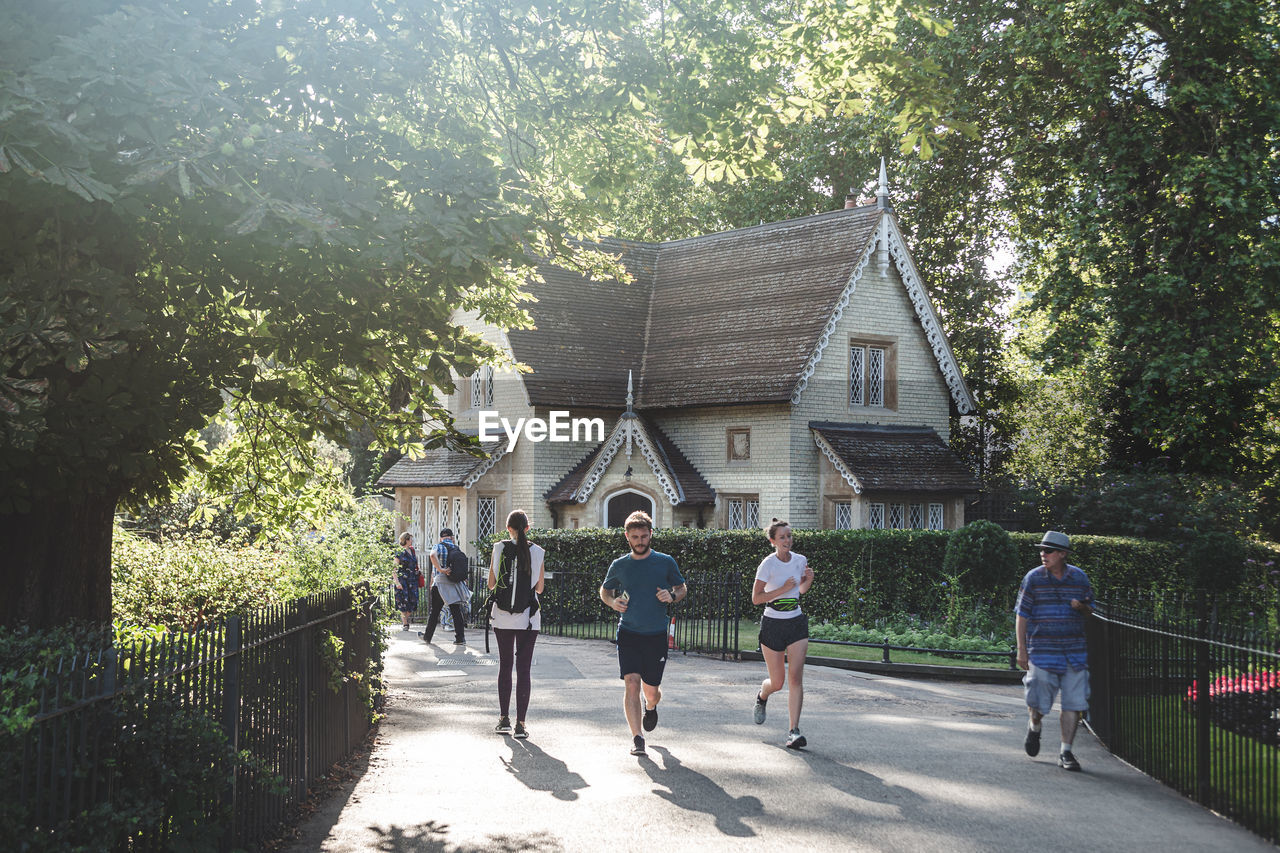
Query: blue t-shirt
x=1055, y=631
x=641, y=579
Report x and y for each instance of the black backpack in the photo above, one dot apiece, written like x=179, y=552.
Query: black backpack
x=456, y=566
x=514, y=590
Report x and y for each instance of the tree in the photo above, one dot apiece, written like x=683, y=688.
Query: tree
x=275, y=208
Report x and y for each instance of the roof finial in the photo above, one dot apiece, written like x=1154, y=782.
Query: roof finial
x=882, y=193
x=630, y=398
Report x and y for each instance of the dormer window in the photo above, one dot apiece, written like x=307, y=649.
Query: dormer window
x=872, y=374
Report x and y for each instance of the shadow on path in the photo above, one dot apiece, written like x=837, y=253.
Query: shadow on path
x=537, y=770
x=432, y=837
x=691, y=790
x=860, y=783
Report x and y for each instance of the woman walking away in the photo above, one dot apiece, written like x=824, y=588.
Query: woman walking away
x=515, y=578
x=406, y=579
x=781, y=579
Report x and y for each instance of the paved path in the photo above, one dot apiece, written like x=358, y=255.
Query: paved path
x=892, y=765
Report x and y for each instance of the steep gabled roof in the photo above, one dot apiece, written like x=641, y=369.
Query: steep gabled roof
x=441, y=466
x=681, y=482
x=724, y=319
x=735, y=316
x=893, y=458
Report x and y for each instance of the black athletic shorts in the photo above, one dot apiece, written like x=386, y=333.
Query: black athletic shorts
x=777, y=634
x=642, y=653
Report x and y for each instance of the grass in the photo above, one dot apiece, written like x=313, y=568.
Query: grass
x=1158, y=735
x=749, y=640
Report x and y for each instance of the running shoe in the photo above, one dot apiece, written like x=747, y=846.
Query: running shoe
x=759, y=713
x=1032, y=743
x=650, y=721
x=521, y=732
x=1067, y=761
x=637, y=747
x=795, y=740
x=504, y=726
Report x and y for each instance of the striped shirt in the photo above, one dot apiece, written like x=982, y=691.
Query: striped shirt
x=1055, y=631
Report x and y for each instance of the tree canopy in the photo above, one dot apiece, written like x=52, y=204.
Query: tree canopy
x=273, y=209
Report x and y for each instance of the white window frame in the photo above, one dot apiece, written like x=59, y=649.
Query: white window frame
x=486, y=505
x=742, y=513
x=482, y=388
x=915, y=517
x=844, y=516
x=875, y=516
x=897, y=517
x=937, y=518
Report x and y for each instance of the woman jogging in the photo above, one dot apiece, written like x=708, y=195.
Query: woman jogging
x=781, y=579
x=515, y=578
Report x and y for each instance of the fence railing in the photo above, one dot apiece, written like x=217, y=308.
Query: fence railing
x=706, y=621
x=1193, y=702
x=287, y=684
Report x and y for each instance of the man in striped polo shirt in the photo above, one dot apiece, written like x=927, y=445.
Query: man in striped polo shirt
x=1053, y=603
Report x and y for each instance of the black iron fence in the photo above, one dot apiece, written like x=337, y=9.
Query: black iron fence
x=706, y=621
x=221, y=729
x=1193, y=701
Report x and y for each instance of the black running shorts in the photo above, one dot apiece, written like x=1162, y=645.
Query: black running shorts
x=777, y=634
x=645, y=654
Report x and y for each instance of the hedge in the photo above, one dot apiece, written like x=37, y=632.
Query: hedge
x=863, y=575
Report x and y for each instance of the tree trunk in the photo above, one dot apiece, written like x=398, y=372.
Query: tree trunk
x=55, y=561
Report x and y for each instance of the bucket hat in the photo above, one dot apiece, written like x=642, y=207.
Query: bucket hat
x=1055, y=540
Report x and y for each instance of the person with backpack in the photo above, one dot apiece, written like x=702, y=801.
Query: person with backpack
x=515, y=580
x=449, y=568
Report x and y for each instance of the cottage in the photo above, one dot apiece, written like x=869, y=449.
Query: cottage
x=794, y=370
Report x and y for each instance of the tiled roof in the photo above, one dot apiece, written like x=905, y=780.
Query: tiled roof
x=897, y=458
x=694, y=490
x=721, y=319
x=587, y=334
x=735, y=316
x=440, y=466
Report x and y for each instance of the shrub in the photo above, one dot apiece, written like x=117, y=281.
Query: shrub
x=982, y=557
x=355, y=546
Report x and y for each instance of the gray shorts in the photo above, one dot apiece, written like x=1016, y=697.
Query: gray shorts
x=1041, y=687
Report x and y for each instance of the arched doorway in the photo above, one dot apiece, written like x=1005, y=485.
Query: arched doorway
x=622, y=504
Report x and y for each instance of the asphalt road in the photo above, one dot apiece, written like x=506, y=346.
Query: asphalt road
x=892, y=765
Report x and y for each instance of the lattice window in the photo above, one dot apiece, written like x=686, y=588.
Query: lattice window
x=444, y=516
x=482, y=388
x=935, y=517
x=916, y=517
x=868, y=375
x=896, y=517
x=857, y=376
x=743, y=514
x=428, y=523
x=875, y=516
x=844, y=516
x=415, y=521
x=875, y=376
x=458, y=536
x=486, y=516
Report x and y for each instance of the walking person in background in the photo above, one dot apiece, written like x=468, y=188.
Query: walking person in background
x=641, y=585
x=446, y=592
x=781, y=579
x=406, y=580
x=515, y=579
x=1053, y=601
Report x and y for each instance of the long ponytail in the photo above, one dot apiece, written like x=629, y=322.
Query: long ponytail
x=518, y=521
